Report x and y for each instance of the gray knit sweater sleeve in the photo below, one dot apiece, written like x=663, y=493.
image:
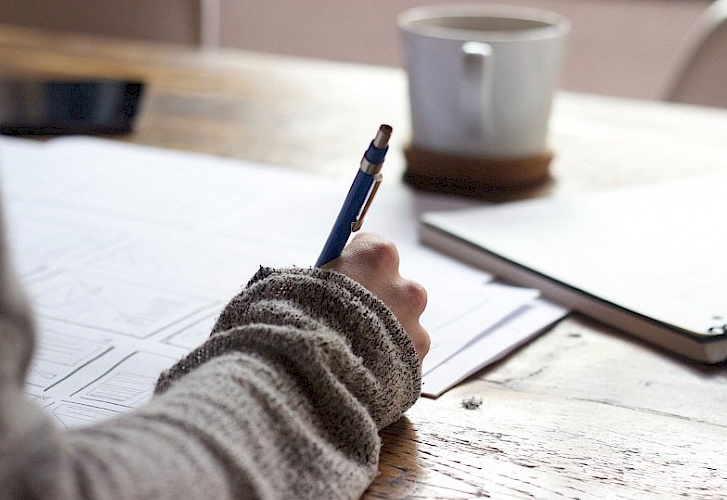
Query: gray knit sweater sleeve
x=337, y=339
x=284, y=400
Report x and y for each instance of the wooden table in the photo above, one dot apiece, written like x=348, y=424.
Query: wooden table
x=582, y=412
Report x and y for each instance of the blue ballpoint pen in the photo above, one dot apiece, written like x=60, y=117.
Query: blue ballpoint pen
x=359, y=197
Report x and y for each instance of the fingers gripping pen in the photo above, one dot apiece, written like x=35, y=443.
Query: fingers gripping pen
x=359, y=197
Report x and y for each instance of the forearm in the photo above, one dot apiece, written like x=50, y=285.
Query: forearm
x=236, y=427
x=357, y=340
x=284, y=400
x=333, y=354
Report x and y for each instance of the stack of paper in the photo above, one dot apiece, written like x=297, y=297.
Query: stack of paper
x=129, y=253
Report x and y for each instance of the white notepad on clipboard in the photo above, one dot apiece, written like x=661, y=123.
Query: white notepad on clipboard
x=650, y=260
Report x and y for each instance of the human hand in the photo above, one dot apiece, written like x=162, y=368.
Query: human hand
x=373, y=261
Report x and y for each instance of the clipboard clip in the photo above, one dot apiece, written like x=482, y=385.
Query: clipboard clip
x=356, y=225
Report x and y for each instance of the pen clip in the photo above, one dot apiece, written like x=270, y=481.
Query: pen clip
x=356, y=225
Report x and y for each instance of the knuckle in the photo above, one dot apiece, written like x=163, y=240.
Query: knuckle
x=385, y=253
x=423, y=344
x=421, y=340
x=415, y=295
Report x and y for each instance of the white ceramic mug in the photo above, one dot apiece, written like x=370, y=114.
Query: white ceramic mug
x=482, y=77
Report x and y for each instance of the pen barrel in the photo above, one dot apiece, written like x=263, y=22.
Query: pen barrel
x=348, y=215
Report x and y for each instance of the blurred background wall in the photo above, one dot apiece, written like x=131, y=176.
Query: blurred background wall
x=617, y=47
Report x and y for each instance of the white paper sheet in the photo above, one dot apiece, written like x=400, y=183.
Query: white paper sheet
x=491, y=345
x=129, y=253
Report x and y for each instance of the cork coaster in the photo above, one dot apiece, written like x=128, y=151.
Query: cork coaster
x=498, y=178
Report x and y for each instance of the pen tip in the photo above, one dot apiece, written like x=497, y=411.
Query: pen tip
x=383, y=136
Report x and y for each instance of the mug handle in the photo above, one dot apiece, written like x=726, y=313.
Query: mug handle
x=476, y=91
